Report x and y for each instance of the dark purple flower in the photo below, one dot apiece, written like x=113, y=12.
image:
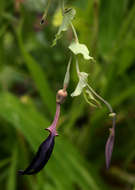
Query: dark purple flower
x=45, y=150
x=41, y=158
x=110, y=144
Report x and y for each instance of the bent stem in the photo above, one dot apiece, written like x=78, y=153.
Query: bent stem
x=74, y=32
x=52, y=127
x=107, y=104
x=100, y=98
x=111, y=138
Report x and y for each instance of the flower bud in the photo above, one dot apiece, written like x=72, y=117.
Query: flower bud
x=61, y=96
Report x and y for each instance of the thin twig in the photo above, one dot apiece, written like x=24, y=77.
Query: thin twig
x=100, y=98
x=74, y=32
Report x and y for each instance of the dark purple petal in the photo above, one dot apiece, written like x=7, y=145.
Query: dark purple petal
x=41, y=158
x=109, y=147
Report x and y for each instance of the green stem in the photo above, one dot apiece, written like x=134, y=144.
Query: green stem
x=107, y=104
x=67, y=75
x=74, y=32
x=100, y=98
x=77, y=66
x=123, y=175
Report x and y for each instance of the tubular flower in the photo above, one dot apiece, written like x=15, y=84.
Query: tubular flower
x=109, y=148
x=110, y=144
x=45, y=149
x=41, y=158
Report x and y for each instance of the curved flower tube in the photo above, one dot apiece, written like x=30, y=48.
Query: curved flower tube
x=45, y=150
x=109, y=148
x=110, y=144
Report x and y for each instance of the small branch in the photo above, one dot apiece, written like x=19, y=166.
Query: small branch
x=52, y=127
x=74, y=32
x=100, y=98
x=77, y=66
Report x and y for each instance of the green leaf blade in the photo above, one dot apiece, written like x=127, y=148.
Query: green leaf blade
x=82, y=49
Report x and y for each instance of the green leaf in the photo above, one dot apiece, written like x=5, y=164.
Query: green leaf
x=11, y=182
x=90, y=99
x=81, y=84
x=4, y=162
x=67, y=18
x=78, y=48
x=67, y=75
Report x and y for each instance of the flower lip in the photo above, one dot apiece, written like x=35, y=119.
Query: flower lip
x=41, y=158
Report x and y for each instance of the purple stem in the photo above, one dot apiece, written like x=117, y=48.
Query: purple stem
x=52, y=127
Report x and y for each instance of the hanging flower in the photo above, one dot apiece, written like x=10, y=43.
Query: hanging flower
x=41, y=158
x=45, y=150
x=110, y=142
x=109, y=147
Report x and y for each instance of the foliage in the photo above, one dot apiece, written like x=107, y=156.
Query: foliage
x=31, y=71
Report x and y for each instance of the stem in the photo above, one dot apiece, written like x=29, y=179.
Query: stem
x=67, y=75
x=100, y=98
x=52, y=128
x=123, y=175
x=107, y=104
x=77, y=66
x=46, y=12
x=74, y=32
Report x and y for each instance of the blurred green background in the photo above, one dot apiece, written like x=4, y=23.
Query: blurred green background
x=31, y=72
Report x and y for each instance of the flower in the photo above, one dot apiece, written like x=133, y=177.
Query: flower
x=41, y=158
x=45, y=149
x=109, y=147
x=110, y=142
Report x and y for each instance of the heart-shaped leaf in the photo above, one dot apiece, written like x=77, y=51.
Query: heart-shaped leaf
x=78, y=48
